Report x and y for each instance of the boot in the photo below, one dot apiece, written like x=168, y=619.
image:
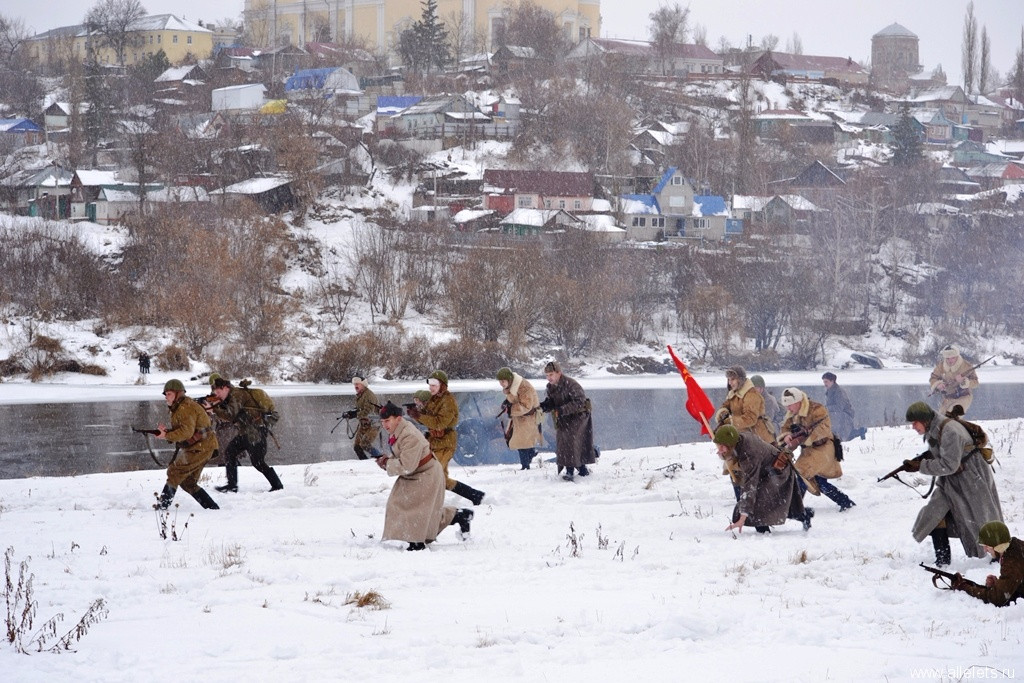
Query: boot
x=275, y=481
x=462, y=518
x=808, y=516
x=568, y=474
x=940, y=540
x=417, y=546
x=524, y=459
x=762, y=529
x=164, y=499
x=203, y=498
x=835, y=495
x=468, y=492
x=232, y=485
x=360, y=453
x=583, y=471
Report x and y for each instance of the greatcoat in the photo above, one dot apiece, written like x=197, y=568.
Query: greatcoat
x=965, y=495
x=840, y=411
x=415, y=511
x=525, y=414
x=767, y=496
x=574, y=428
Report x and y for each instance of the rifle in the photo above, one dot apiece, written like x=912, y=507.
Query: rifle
x=940, y=575
x=895, y=474
x=969, y=371
x=149, y=446
x=800, y=431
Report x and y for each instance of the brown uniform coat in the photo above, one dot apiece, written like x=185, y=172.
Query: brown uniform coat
x=415, y=511
x=440, y=416
x=367, y=412
x=525, y=414
x=817, y=453
x=188, y=417
x=1010, y=584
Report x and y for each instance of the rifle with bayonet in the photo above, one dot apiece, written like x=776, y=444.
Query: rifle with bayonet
x=963, y=374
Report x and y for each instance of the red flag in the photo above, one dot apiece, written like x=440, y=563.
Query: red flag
x=697, y=402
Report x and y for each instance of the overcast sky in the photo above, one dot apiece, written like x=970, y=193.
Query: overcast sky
x=841, y=28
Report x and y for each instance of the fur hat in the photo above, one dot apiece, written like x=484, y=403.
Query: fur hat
x=727, y=435
x=173, y=385
x=552, y=366
x=358, y=380
x=757, y=381
x=830, y=376
x=390, y=410
x=791, y=396
x=440, y=375
x=505, y=374
x=919, y=411
x=995, y=535
x=738, y=372
x=949, y=351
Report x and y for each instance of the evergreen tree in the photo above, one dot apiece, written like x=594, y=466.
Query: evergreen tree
x=424, y=46
x=906, y=142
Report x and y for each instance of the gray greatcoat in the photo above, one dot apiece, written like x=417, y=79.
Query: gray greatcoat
x=965, y=494
x=840, y=411
x=415, y=512
x=573, y=425
x=525, y=414
x=767, y=496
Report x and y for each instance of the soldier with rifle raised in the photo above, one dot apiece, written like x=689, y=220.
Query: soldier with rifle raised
x=965, y=495
x=191, y=430
x=1000, y=590
x=954, y=379
x=252, y=412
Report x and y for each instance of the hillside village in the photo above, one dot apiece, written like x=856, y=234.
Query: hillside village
x=690, y=164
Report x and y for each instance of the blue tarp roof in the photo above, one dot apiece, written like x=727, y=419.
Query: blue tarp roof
x=397, y=101
x=305, y=79
x=18, y=125
x=664, y=180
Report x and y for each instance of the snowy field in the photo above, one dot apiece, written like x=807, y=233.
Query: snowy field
x=627, y=574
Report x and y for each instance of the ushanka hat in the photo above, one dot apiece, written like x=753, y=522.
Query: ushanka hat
x=390, y=410
x=950, y=351
x=791, y=395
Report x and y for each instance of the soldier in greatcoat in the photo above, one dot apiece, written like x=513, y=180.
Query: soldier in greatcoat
x=840, y=410
x=807, y=425
x=415, y=512
x=965, y=495
x=574, y=427
x=954, y=380
x=523, y=408
x=771, y=404
x=770, y=493
x=191, y=429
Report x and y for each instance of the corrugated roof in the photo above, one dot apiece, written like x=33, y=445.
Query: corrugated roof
x=550, y=183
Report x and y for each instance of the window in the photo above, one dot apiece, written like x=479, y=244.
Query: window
x=188, y=40
x=547, y=203
x=151, y=40
x=577, y=204
x=657, y=222
x=174, y=39
x=639, y=221
x=159, y=37
x=525, y=202
x=677, y=180
x=561, y=203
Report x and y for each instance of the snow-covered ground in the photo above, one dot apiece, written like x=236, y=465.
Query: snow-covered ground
x=627, y=574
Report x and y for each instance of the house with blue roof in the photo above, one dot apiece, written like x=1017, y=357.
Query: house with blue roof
x=20, y=132
x=655, y=215
x=710, y=219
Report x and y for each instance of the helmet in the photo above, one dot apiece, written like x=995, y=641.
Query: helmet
x=757, y=381
x=919, y=411
x=422, y=395
x=214, y=376
x=173, y=385
x=440, y=375
x=727, y=435
x=505, y=374
x=993, y=534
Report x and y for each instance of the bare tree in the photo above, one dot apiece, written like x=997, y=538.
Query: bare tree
x=668, y=27
x=769, y=42
x=1017, y=77
x=18, y=83
x=984, y=65
x=795, y=45
x=526, y=24
x=111, y=21
x=969, y=49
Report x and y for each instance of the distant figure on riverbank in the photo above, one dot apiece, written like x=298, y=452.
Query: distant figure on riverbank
x=144, y=363
x=840, y=410
x=954, y=379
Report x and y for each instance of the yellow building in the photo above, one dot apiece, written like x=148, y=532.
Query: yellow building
x=179, y=39
x=380, y=22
